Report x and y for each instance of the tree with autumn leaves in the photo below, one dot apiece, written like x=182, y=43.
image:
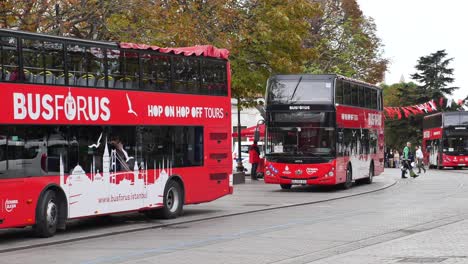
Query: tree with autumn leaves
x=434, y=77
x=264, y=37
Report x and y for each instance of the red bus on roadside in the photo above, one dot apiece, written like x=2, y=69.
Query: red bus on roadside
x=93, y=128
x=322, y=130
x=445, y=140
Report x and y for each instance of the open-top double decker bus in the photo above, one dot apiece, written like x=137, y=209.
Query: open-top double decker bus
x=94, y=128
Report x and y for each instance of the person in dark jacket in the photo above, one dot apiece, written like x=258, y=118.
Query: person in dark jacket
x=254, y=159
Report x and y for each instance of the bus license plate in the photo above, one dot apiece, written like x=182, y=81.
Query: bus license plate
x=299, y=181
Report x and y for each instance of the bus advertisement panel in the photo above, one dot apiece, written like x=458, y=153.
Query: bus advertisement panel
x=322, y=130
x=93, y=128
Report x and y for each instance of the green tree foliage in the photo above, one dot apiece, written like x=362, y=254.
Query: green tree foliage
x=435, y=76
x=398, y=132
x=78, y=18
x=271, y=41
x=264, y=36
x=346, y=42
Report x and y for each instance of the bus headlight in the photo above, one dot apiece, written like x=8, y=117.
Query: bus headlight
x=268, y=173
x=331, y=174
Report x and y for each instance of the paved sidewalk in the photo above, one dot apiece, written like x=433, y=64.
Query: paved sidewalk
x=447, y=244
x=248, y=197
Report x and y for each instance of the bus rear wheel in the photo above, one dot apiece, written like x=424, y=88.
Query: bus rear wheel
x=47, y=215
x=285, y=186
x=173, y=202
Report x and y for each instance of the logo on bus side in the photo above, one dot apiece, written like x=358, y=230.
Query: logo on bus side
x=10, y=205
x=427, y=134
x=374, y=119
x=50, y=107
x=349, y=117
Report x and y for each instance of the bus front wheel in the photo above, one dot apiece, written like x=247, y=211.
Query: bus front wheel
x=47, y=215
x=285, y=186
x=349, y=179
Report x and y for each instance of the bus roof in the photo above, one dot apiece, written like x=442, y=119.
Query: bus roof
x=202, y=50
x=453, y=113
x=321, y=76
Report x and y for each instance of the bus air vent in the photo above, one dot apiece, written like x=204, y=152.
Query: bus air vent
x=218, y=156
x=218, y=176
x=218, y=136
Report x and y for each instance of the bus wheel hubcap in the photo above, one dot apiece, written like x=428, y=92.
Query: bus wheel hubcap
x=51, y=213
x=172, y=199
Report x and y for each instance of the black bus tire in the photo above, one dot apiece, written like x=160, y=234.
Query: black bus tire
x=47, y=215
x=349, y=178
x=370, y=179
x=173, y=200
x=285, y=186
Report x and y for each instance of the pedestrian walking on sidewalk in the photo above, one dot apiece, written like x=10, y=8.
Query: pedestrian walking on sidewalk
x=254, y=159
x=391, y=157
x=406, y=160
x=420, y=159
x=396, y=159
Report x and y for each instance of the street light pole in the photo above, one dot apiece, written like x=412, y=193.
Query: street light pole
x=240, y=167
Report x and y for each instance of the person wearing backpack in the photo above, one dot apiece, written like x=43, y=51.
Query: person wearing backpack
x=407, y=156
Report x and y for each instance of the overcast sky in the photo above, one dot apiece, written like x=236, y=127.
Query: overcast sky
x=410, y=29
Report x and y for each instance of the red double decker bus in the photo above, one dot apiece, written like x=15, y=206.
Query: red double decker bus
x=445, y=140
x=322, y=130
x=94, y=128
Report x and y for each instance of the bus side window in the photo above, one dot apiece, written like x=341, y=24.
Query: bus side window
x=186, y=74
x=354, y=95
x=339, y=92
x=54, y=64
x=373, y=102
x=362, y=99
x=213, y=77
x=347, y=93
x=33, y=62
x=367, y=97
x=96, y=64
x=8, y=59
x=76, y=64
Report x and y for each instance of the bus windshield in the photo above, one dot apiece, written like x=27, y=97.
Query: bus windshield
x=290, y=91
x=456, y=145
x=301, y=141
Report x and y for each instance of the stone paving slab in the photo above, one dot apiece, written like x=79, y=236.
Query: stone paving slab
x=446, y=244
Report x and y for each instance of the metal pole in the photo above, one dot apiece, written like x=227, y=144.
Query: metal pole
x=240, y=167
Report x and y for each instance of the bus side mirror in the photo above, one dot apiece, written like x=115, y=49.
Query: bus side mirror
x=257, y=130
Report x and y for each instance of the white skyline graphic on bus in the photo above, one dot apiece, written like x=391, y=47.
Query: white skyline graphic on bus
x=102, y=192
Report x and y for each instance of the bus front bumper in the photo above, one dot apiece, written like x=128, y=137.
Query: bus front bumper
x=324, y=180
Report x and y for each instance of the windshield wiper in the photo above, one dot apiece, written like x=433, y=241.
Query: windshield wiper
x=295, y=89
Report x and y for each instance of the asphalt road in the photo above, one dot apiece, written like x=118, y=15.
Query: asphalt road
x=422, y=220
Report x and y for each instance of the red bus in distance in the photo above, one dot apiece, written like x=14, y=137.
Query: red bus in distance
x=322, y=130
x=95, y=128
x=445, y=140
